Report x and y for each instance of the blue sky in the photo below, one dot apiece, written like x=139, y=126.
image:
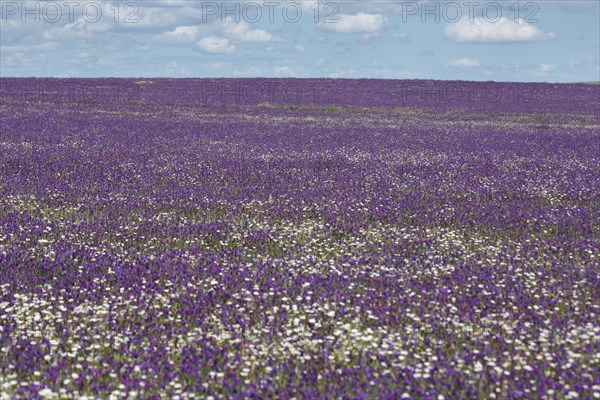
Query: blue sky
x=553, y=41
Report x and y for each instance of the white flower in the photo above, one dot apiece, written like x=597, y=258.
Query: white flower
x=46, y=393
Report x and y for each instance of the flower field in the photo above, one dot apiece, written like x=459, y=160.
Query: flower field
x=311, y=239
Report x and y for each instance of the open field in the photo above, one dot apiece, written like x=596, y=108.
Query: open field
x=308, y=239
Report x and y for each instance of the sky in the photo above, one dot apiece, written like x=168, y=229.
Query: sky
x=522, y=41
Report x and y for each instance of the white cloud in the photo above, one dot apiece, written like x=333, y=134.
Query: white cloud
x=543, y=70
x=23, y=60
x=13, y=31
x=173, y=68
x=154, y=18
x=216, y=45
x=283, y=71
x=181, y=34
x=248, y=71
x=319, y=62
x=504, y=31
x=344, y=73
x=464, y=62
x=242, y=32
x=299, y=48
x=79, y=29
x=357, y=23
x=84, y=59
x=143, y=47
x=48, y=46
x=366, y=37
x=105, y=61
x=387, y=73
x=402, y=36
